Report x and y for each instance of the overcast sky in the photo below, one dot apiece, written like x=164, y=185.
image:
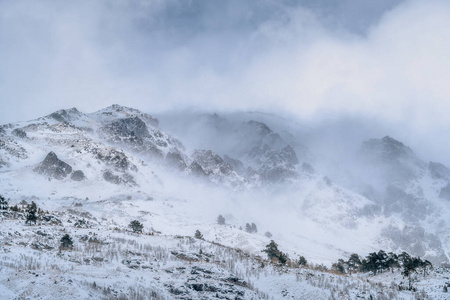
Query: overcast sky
x=388, y=59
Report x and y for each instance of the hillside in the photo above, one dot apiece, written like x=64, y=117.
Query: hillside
x=96, y=172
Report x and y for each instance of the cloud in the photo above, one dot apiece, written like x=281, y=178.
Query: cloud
x=309, y=58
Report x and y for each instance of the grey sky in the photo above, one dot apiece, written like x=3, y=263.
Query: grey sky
x=388, y=59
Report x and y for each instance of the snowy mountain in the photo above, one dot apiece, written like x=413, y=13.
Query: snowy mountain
x=96, y=172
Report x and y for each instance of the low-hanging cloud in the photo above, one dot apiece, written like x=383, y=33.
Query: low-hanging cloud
x=156, y=55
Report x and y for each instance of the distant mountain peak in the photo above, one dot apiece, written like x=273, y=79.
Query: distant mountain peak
x=387, y=148
x=66, y=115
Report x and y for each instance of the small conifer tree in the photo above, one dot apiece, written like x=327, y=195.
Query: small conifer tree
x=66, y=242
x=302, y=261
x=31, y=213
x=198, y=235
x=220, y=220
x=136, y=226
x=273, y=252
x=3, y=203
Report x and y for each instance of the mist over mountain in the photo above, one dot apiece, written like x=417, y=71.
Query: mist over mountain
x=384, y=185
x=261, y=149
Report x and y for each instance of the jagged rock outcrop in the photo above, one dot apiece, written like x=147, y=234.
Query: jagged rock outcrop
x=19, y=133
x=273, y=164
x=115, y=158
x=134, y=134
x=217, y=169
x=175, y=159
x=211, y=162
x=77, y=175
x=132, y=129
x=66, y=115
x=125, y=178
x=53, y=167
x=196, y=170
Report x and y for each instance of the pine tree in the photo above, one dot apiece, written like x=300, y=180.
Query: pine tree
x=251, y=228
x=353, y=263
x=254, y=230
x=198, y=235
x=31, y=213
x=136, y=226
x=273, y=252
x=3, y=203
x=339, y=266
x=220, y=220
x=302, y=261
x=66, y=242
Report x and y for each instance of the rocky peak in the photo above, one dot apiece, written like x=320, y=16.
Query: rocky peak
x=116, y=111
x=387, y=148
x=196, y=170
x=129, y=128
x=391, y=161
x=66, y=115
x=217, y=122
x=258, y=127
x=53, y=167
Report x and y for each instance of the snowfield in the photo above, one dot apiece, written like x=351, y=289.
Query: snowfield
x=110, y=262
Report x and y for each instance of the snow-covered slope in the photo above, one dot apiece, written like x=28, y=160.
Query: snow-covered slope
x=119, y=165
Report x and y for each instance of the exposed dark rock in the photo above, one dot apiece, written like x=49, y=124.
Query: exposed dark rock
x=52, y=166
x=77, y=175
x=212, y=162
x=275, y=165
x=66, y=115
x=175, y=159
x=117, y=159
x=110, y=177
x=132, y=128
x=40, y=246
x=116, y=179
x=439, y=171
x=134, y=133
x=197, y=170
x=19, y=133
x=3, y=163
x=13, y=148
x=386, y=148
x=132, y=112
